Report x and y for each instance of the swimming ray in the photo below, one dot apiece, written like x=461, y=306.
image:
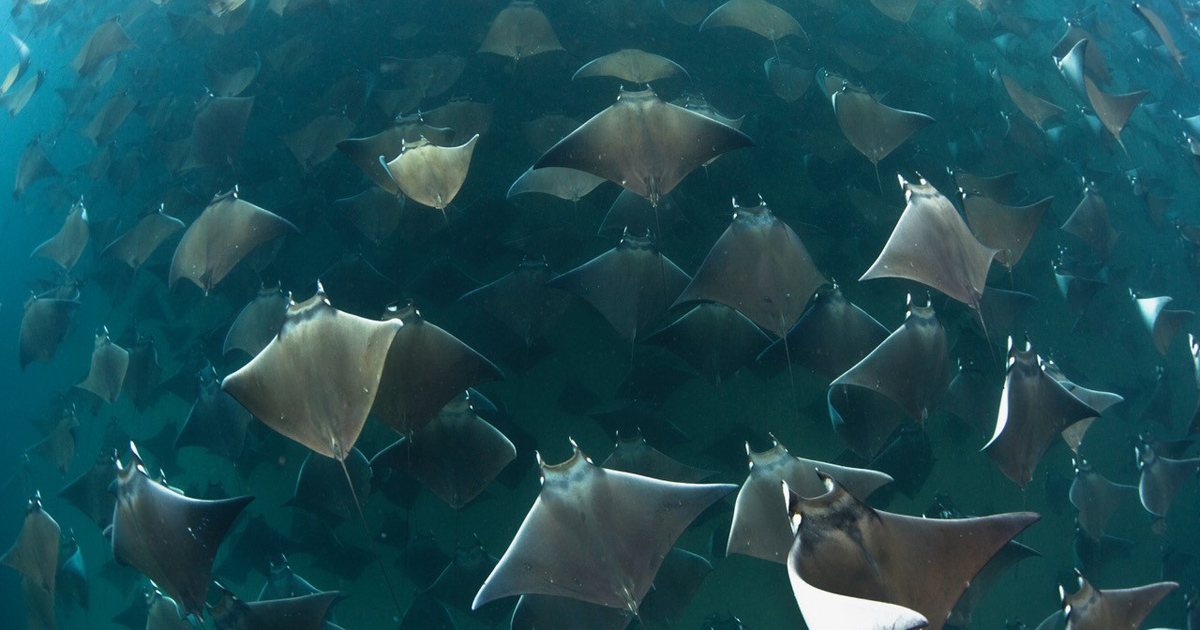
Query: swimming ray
x=427, y=77
x=375, y=213
x=1090, y=608
x=464, y=116
x=760, y=519
x=898, y=10
x=358, y=287
x=1072, y=67
x=320, y=484
x=675, y=585
x=218, y=131
x=631, y=285
x=58, y=447
x=1162, y=323
x=108, y=39
x=107, y=373
x=1035, y=108
x=789, y=81
x=903, y=377
x=32, y=166
x=1151, y=18
x=1093, y=58
x=714, y=339
x=1090, y=224
x=136, y=245
x=44, y=325
x=258, y=322
x=1113, y=110
x=1009, y=555
x=216, y=421
x=1161, y=479
x=643, y=144
x=66, y=246
x=549, y=611
x=1034, y=410
x=425, y=369
x=15, y=73
x=72, y=580
x=171, y=538
x=522, y=301
x=564, y=183
x=15, y=101
x=227, y=231
x=844, y=546
x=460, y=580
x=89, y=492
x=830, y=338
x=872, y=127
x=305, y=612
x=109, y=118
x=543, y=132
x=1006, y=228
x=426, y=613
x=35, y=556
x=633, y=65
x=757, y=16
x=1096, y=498
x=519, y=32
x=633, y=213
x=317, y=141
x=760, y=268
x=387, y=144
x=429, y=174
x=634, y=455
x=625, y=525
x=235, y=82
x=999, y=309
x=995, y=187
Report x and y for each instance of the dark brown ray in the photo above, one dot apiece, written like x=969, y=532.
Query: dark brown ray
x=32, y=166
x=564, y=183
x=548, y=611
x=317, y=141
x=429, y=174
x=996, y=187
x=89, y=492
x=756, y=16
x=675, y=585
x=520, y=31
x=136, y=245
x=216, y=421
x=1034, y=410
x=58, y=447
x=387, y=144
x=170, y=538
x=227, y=231
x=714, y=339
x=109, y=118
x=35, y=552
x=933, y=246
x=633, y=65
x=466, y=117
x=634, y=455
x=358, y=287
x=1160, y=28
x=15, y=73
x=542, y=133
x=634, y=214
x=631, y=285
x=903, y=377
x=1090, y=608
x=374, y=212
x=1006, y=228
x=1097, y=499
x=235, y=82
x=1162, y=323
x=759, y=267
x=522, y=301
x=1113, y=110
x=107, y=373
x=461, y=579
x=1093, y=58
x=315, y=382
x=789, y=81
x=426, y=368
x=218, y=131
x=258, y=322
x=1035, y=108
x=845, y=547
x=43, y=327
x=1009, y=555
x=321, y=483
x=643, y=144
x=108, y=39
x=760, y=519
x=872, y=127
x=830, y=338
x=1090, y=223
x=1161, y=479
x=622, y=526
x=306, y=612
x=999, y=309
x=428, y=77
x=16, y=100
x=65, y=247
x=1078, y=290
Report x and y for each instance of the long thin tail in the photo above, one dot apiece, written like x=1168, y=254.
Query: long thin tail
x=387, y=580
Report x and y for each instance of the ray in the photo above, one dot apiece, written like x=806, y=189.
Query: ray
x=634, y=455
x=760, y=268
x=872, y=127
x=387, y=144
x=1161, y=479
x=235, y=82
x=136, y=245
x=429, y=174
x=32, y=166
x=1090, y=608
x=933, y=246
x=72, y=578
x=714, y=339
x=1078, y=290
x=845, y=547
x=15, y=101
x=564, y=183
x=169, y=537
x=995, y=187
x=429, y=77
x=548, y=611
x=1072, y=66
x=999, y=310
x=631, y=285
x=830, y=338
x=1093, y=58
x=316, y=380
x=375, y=213
x=107, y=373
x=633, y=65
x=425, y=613
x=15, y=73
x=826, y=610
x=898, y=10
x=44, y=325
x=1162, y=323
x=306, y=612
x=522, y=301
x=542, y=133
x=789, y=81
x=58, y=447
x=466, y=117
x=1034, y=410
x=108, y=39
x=66, y=246
x=35, y=556
x=1090, y=224
x=358, y=287
x=227, y=231
x=216, y=421
x=258, y=322
x=675, y=585
x=1096, y=498
x=425, y=369
x=460, y=580
x=760, y=520
x=89, y=493
x=634, y=214
x=1035, y=108
x=1005, y=228
x=904, y=376
x=1009, y=555
x=1151, y=18
x=643, y=144
x=519, y=32
x=109, y=119
x=319, y=486
x=626, y=524
x=218, y=131
x=317, y=141
x=757, y=16
x=1113, y=110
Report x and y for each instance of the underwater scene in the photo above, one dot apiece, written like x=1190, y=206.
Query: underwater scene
x=600, y=314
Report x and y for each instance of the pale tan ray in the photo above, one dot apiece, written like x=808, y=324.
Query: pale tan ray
x=18, y=70
x=564, y=183
x=32, y=166
x=235, y=82
x=110, y=118
x=136, y=245
x=432, y=175
x=16, y=100
x=1035, y=108
x=520, y=31
x=631, y=64
x=107, y=374
x=756, y=16
x=108, y=39
x=872, y=127
x=1113, y=110
x=65, y=247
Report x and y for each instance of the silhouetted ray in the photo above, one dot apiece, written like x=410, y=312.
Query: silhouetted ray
x=1097, y=499
x=999, y=309
x=315, y=382
x=366, y=152
x=43, y=327
x=1006, y=228
x=1034, y=410
x=306, y=612
x=1156, y=23
x=317, y=141
x=1113, y=110
x=756, y=16
x=235, y=82
x=460, y=580
x=32, y=166
x=675, y=584
x=423, y=561
x=169, y=537
x=465, y=117
x=520, y=31
x=564, y=183
x=225, y=233
x=872, y=127
x=108, y=39
x=1162, y=323
x=426, y=368
x=933, y=246
x=1035, y=108
x=1072, y=66
x=358, y=287
x=425, y=613
x=136, y=245
x=643, y=144
x=625, y=418
x=789, y=81
x=58, y=447
x=320, y=487
x=1161, y=479
x=89, y=493
x=633, y=65
x=107, y=372
x=258, y=322
x=429, y=174
x=634, y=455
x=15, y=73
x=35, y=552
x=634, y=214
x=844, y=546
x=623, y=525
x=108, y=119
x=1009, y=555
x=1090, y=223
x=714, y=339
x=760, y=520
x=1093, y=58
x=997, y=187
x=16, y=100
x=522, y=301
x=72, y=578
x=759, y=267
x=548, y=611
x=65, y=247
x=904, y=376
x=1090, y=608
x=898, y=10
x=161, y=613
x=218, y=131
x=216, y=421
x=375, y=212
x=830, y=338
